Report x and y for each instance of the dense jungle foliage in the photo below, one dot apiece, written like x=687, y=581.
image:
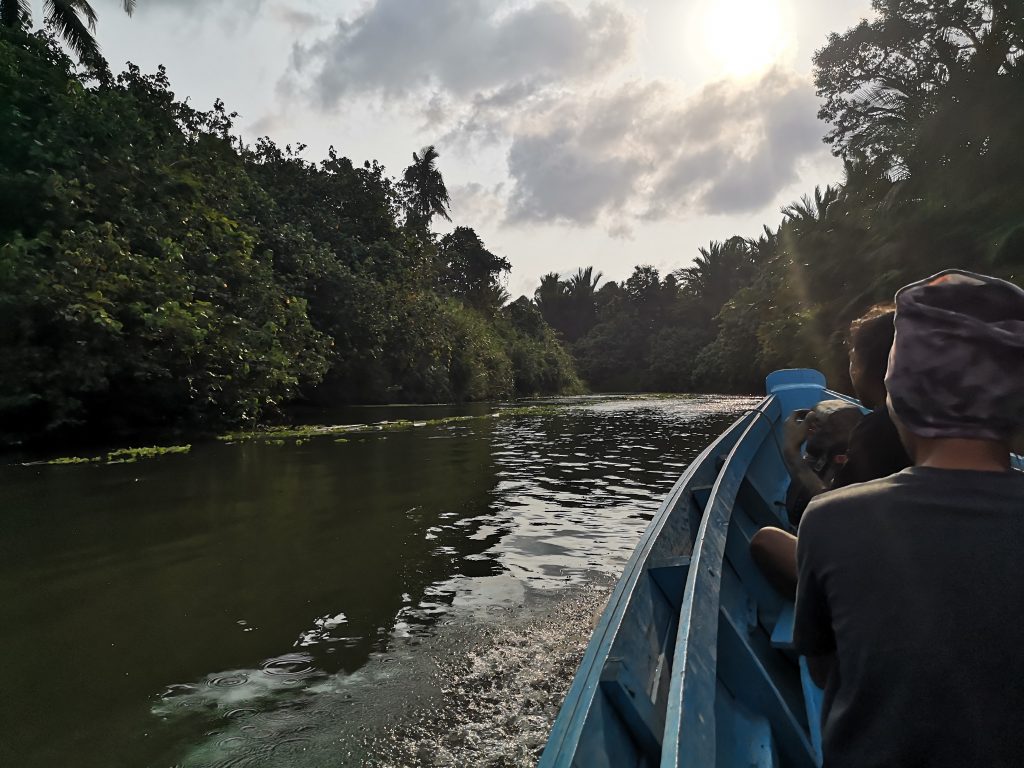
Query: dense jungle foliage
x=157, y=274
x=926, y=107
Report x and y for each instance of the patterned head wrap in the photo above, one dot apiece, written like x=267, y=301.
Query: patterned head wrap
x=957, y=364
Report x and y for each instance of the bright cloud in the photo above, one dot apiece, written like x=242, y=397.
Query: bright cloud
x=543, y=83
x=647, y=151
x=462, y=47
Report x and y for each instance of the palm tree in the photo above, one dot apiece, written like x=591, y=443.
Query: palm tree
x=583, y=285
x=550, y=295
x=582, y=290
x=808, y=211
x=426, y=195
x=718, y=272
x=74, y=20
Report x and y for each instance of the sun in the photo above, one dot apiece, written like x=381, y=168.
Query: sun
x=744, y=37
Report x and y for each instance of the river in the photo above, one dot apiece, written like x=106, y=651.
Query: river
x=415, y=596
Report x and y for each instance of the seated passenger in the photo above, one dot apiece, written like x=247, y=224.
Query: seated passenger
x=827, y=429
x=911, y=587
x=872, y=450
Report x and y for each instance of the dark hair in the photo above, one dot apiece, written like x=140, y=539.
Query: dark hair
x=871, y=335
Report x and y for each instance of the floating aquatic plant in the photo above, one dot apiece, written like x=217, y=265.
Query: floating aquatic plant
x=123, y=455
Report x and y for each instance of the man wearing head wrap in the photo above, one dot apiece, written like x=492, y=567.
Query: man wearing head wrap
x=911, y=587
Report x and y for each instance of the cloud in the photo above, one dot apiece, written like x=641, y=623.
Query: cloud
x=462, y=47
x=271, y=123
x=557, y=178
x=475, y=202
x=230, y=17
x=742, y=146
x=296, y=20
x=543, y=82
x=644, y=151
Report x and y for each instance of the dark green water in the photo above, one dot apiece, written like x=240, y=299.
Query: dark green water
x=410, y=597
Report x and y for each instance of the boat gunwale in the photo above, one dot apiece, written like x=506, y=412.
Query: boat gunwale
x=704, y=582
x=682, y=677
x=568, y=727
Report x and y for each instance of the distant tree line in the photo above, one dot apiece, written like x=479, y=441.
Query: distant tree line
x=926, y=106
x=158, y=274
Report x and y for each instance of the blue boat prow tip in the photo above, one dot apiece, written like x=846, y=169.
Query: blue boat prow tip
x=793, y=378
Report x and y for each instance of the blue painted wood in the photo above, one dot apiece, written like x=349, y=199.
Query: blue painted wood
x=761, y=678
x=631, y=701
x=670, y=576
x=690, y=721
x=782, y=633
x=793, y=378
x=744, y=738
x=717, y=643
x=814, y=699
x=682, y=669
x=639, y=623
x=692, y=661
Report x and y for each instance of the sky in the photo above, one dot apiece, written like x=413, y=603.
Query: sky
x=571, y=132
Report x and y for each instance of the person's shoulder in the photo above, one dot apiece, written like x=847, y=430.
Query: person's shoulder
x=842, y=505
x=875, y=424
x=858, y=493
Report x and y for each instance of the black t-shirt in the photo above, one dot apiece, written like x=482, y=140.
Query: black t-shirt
x=874, y=451
x=916, y=583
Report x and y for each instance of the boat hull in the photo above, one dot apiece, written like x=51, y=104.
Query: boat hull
x=682, y=667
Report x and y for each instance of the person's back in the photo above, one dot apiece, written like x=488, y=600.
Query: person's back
x=911, y=588
x=924, y=577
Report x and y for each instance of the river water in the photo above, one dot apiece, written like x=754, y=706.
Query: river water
x=415, y=596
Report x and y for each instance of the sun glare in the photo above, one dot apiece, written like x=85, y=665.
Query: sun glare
x=744, y=37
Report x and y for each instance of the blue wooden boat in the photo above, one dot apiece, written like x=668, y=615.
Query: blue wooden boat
x=691, y=663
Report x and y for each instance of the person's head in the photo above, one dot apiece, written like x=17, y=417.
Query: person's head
x=870, y=340
x=956, y=371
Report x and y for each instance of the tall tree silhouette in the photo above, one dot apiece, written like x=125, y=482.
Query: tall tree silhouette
x=718, y=272
x=74, y=20
x=584, y=283
x=550, y=295
x=426, y=194
x=581, y=289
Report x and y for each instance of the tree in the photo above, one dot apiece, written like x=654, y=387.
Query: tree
x=879, y=78
x=551, y=298
x=471, y=272
x=718, y=272
x=165, y=277
x=811, y=211
x=581, y=304
x=74, y=21
x=426, y=194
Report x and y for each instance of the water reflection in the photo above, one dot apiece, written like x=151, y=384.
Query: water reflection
x=259, y=605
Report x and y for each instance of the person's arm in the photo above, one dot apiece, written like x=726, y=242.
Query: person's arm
x=812, y=627
x=794, y=432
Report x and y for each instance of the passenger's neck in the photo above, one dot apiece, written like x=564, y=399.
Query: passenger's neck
x=959, y=453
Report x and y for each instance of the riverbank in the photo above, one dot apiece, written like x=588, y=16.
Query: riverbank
x=298, y=433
